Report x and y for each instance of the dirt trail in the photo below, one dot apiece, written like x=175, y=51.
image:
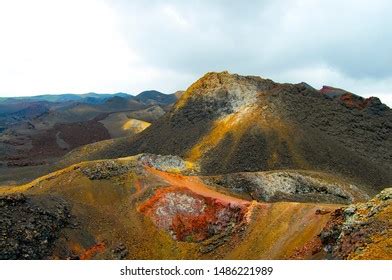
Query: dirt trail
x=196, y=185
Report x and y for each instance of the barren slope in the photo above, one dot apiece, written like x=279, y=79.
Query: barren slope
x=144, y=207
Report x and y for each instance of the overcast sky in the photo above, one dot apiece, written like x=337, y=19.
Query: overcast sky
x=49, y=46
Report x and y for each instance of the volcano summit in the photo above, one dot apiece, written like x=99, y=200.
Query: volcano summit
x=229, y=123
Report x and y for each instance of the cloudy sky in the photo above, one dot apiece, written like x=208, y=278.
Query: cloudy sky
x=55, y=46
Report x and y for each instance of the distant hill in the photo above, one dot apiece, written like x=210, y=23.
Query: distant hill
x=147, y=97
x=155, y=97
x=87, y=97
x=36, y=130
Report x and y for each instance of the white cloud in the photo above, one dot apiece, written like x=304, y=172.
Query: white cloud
x=62, y=46
x=175, y=17
x=117, y=45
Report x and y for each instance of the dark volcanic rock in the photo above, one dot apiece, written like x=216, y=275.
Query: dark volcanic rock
x=105, y=169
x=30, y=225
x=120, y=252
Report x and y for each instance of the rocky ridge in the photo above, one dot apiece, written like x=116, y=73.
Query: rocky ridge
x=292, y=185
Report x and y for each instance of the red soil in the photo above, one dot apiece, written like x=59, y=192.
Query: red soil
x=348, y=99
x=310, y=249
x=92, y=251
x=352, y=101
x=189, y=216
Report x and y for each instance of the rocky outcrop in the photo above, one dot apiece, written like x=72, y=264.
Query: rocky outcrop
x=361, y=231
x=106, y=169
x=353, y=101
x=167, y=163
x=289, y=186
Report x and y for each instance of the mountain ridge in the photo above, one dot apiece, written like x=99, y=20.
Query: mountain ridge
x=255, y=124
